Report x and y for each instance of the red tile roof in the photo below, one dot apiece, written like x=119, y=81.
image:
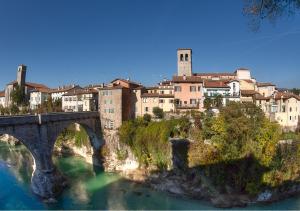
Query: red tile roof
x=64, y=89
x=187, y=79
x=157, y=95
x=215, y=84
x=286, y=95
x=215, y=74
x=80, y=92
x=248, y=92
x=264, y=84
x=32, y=85
x=2, y=93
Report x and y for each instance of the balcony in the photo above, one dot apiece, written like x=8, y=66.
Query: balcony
x=187, y=106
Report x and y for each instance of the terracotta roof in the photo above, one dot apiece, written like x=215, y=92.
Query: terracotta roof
x=248, y=92
x=286, y=95
x=30, y=84
x=81, y=91
x=264, y=84
x=64, y=89
x=248, y=81
x=184, y=49
x=126, y=81
x=157, y=95
x=112, y=87
x=2, y=93
x=215, y=74
x=261, y=97
x=165, y=83
x=41, y=89
x=187, y=79
x=215, y=84
x=150, y=95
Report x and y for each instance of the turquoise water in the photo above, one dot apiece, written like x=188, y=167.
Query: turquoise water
x=90, y=188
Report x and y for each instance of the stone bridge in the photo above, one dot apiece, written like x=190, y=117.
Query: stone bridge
x=39, y=133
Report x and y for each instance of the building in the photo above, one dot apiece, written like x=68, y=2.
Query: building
x=184, y=61
x=79, y=100
x=2, y=98
x=188, y=92
x=57, y=93
x=117, y=102
x=38, y=96
x=282, y=107
x=26, y=87
x=266, y=89
x=229, y=90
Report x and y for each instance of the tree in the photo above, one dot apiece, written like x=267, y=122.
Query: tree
x=207, y=103
x=14, y=109
x=218, y=101
x=147, y=117
x=18, y=95
x=259, y=10
x=158, y=112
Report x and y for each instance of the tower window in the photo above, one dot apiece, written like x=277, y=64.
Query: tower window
x=186, y=57
x=181, y=57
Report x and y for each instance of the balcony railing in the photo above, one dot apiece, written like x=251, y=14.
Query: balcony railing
x=187, y=106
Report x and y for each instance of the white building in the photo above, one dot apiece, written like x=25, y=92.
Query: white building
x=37, y=97
x=78, y=100
x=228, y=90
x=2, y=98
x=56, y=94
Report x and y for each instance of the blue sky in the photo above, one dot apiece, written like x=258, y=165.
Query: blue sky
x=95, y=41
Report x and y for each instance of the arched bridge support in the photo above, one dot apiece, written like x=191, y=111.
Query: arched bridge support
x=39, y=133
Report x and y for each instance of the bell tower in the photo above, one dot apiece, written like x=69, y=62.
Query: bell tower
x=21, y=75
x=184, y=61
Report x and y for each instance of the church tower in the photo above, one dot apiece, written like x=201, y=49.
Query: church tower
x=184, y=61
x=21, y=75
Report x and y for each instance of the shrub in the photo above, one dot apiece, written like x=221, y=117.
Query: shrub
x=158, y=112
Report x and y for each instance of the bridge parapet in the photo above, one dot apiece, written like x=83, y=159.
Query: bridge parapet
x=44, y=118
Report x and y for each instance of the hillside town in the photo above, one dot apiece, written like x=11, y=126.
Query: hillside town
x=123, y=99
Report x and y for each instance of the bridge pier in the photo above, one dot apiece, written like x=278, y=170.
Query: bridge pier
x=39, y=133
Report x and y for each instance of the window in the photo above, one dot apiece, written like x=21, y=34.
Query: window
x=283, y=108
x=193, y=89
x=291, y=109
x=185, y=102
x=186, y=57
x=146, y=109
x=110, y=101
x=181, y=57
x=144, y=100
x=171, y=101
x=111, y=110
x=290, y=117
x=199, y=88
x=177, y=88
x=161, y=101
x=193, y=101
x=111, y=124
x=162, y=92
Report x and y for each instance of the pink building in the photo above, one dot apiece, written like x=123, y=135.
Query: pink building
x=188, y=92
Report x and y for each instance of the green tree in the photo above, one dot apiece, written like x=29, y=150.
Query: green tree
x=208, y=103
x=147, y=117
x=158, y=112
x=14, y=109
x=18, y=95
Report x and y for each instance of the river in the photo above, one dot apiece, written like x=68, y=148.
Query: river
x=90, y=188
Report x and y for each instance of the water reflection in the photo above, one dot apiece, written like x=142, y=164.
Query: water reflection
x=90, y=188
x=19, y=159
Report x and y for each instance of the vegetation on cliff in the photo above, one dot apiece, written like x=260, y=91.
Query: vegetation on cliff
x=238, y=149
x=149, y=140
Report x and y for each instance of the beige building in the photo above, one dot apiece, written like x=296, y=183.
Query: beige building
x=117, y=102
x=282, y=107
x=265, y=89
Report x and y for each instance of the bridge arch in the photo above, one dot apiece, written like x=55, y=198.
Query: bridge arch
x=95, y=140
x=39, y=133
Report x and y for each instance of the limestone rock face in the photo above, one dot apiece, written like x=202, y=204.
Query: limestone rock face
x=49, y=184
